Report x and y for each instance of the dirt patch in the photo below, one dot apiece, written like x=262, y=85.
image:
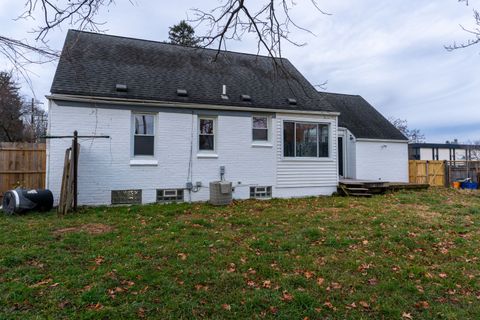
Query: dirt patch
x=91, y=228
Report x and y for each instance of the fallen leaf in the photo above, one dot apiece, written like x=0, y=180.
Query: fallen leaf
x=373, y=282
x=329, y=305
x=353, y=305
x=226, y=307
x=267, y=284
x=422, y=305
x=231, y=268
x=286, y=296
x=308, y=274
x=41, y=283
x=273, y=310
x=364, y=304
x=141, y=312
x=99, y=260
x=320, y=281
x=407, y=316
x=442, y=275
x=96, y=306
x=251, y=283
x=182, y=256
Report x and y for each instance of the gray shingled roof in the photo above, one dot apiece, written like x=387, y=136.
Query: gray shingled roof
x=361, y=118
x=92, y=64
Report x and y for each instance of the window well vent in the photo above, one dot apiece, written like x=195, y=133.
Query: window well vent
x=292, y=101
x=169, y=195
x=246, y=97
x=120, y=87
x=260, y=192
x=126, y=197
x=182, y=93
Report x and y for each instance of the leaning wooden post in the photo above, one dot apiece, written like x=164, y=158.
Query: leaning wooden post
x=75, y=168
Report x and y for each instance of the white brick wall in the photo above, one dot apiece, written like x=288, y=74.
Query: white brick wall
x=382, y=160
x=104, y=164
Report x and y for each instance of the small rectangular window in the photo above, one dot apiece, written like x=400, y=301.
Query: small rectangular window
x=126, y=197
x=304, y=139
x=260, y=192
x=260, y=128
x=169, y=195
x=206, y=134
x=144, y=135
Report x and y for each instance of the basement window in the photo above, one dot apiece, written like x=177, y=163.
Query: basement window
x=169, y=195
x=260, y=192
x=126, y=197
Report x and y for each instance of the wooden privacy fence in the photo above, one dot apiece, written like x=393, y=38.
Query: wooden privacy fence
x=462, y=169
x=22, y=164
x=428, y=172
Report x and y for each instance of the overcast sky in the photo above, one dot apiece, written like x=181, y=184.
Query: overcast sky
x=390, y=52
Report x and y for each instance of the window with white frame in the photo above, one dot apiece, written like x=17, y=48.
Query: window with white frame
x=144, y=135
x=305, y=139
x=260, y=126
x=169, y=195
x=206, y=134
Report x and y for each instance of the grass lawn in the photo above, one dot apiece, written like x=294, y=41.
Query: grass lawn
x=408, y=255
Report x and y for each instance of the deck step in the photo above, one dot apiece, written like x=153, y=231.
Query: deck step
x=357, y=189
x=366, y=195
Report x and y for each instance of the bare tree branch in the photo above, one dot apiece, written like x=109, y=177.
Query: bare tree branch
x=270, y=21
x=475, y=32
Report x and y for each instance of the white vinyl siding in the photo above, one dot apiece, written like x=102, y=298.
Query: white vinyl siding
x=307, y=172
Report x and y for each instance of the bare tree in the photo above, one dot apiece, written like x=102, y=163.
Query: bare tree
x=79, y=13
x=474, y=32
x=270, y=21
x=413, y=135
x=11, y=109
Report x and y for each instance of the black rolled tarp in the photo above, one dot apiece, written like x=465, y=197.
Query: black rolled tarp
x=22, y=200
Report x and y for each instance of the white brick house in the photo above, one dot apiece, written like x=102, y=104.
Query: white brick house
x=178, y=118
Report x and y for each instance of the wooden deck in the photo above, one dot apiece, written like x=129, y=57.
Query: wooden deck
x=367, y=188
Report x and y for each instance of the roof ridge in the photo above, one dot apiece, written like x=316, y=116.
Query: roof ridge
x=176, y=45
x=340, y=94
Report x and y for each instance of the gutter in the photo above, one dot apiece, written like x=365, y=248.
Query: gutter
x=123, y=101
x=381, y=140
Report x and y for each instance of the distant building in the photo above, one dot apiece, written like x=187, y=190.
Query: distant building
x=452, y=151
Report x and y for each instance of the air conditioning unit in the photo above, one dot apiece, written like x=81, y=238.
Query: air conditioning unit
x=220, y=193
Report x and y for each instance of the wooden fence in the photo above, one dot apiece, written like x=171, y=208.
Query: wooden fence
x=461, y=169
x=22, y=164
x=428, y=172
